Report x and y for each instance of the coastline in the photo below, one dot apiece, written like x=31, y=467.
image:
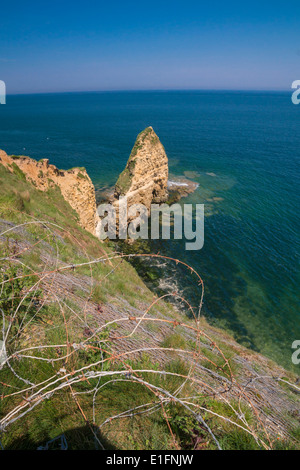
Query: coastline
x=170, y=339
x=178, y=187
x=81, y=199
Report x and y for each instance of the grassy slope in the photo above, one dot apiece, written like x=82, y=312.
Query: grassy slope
x=116, y=290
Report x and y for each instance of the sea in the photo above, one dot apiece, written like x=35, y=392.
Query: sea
x=242, y=148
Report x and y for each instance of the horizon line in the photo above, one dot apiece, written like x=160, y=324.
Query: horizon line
x=153, y=90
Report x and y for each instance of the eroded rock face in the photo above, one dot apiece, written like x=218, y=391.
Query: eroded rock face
x=75, y=185
x=145, y=177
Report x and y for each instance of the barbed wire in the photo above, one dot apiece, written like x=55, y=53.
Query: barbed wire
x=115, y=358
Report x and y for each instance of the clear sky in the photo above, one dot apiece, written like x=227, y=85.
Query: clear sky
x=131, y=45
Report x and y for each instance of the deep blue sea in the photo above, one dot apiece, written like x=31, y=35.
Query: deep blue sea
x=242, y=148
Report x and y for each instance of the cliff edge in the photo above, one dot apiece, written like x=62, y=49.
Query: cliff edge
x=84, y=338
x=75, y=185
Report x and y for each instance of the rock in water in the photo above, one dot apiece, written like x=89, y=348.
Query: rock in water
x=145, y=177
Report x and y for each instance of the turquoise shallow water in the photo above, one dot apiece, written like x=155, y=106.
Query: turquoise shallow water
x=243, y=148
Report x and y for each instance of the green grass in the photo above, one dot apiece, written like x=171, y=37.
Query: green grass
x=21, y=202
x=124, y=181
x=81, y=168
x=175, y=341
x=18, y=171
x=82, y=176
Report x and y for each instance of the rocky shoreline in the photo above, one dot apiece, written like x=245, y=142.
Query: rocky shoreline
x=145, y=178
x=178, y=187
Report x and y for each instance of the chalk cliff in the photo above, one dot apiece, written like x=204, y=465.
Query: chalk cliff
x=75, y=185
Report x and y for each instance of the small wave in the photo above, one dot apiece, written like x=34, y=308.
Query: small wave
x=176, y=183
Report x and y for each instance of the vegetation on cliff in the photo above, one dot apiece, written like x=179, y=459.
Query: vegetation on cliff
x=75, y=184
x=96, y=359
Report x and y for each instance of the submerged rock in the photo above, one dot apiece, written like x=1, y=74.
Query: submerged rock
x=180, y=187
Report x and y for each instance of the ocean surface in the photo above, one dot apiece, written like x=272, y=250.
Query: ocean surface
x=242, y=148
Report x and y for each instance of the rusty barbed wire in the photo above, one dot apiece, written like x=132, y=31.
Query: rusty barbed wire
x=206, y=377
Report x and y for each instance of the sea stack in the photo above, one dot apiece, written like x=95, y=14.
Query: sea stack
x=145, y=177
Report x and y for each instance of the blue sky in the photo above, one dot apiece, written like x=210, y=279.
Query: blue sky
x=135, y=45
